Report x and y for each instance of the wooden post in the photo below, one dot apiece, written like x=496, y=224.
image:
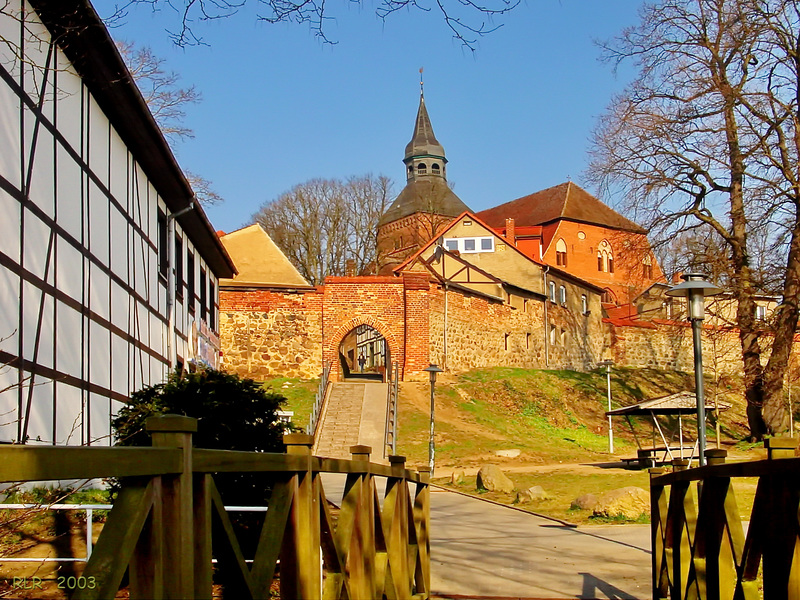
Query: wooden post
x=177, y=533
x=395, y=519
x=364, y=559
x=301, y=575
x=422, y=520
x=780, y=447
x=716, y=457
x=658, y=523
x=680, y=464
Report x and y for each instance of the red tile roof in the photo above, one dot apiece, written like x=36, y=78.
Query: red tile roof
x=564, y=201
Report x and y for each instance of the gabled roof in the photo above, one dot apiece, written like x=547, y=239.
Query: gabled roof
x=430, y=195
x=423, y=141
x=444, y=229
x=259, y=260
x=564, y=201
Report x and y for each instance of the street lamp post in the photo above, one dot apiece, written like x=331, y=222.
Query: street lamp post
x=694, y=288
x=607, y=364
x=432, y=371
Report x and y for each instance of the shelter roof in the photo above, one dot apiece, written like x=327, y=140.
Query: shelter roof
x=682, y=403
x=259, y=260
x=563, y=201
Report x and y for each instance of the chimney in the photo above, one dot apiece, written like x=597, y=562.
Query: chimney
x=350, y=268
x=511, y=234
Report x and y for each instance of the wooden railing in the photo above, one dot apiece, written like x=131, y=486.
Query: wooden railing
x=700, y=549
x=168, y=519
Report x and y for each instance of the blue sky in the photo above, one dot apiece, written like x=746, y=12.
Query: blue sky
x=279, y=107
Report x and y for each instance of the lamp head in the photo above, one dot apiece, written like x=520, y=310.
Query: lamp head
x=694, y=288
x=432, y=371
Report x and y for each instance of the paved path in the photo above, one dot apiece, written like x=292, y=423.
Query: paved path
x=355, y=413
x=480, y=549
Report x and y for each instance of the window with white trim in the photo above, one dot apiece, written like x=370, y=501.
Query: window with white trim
x=551, y=291
x=584, y=304
x=562, y=295
x=470, y=245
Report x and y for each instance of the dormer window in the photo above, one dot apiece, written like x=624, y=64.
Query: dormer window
x=422, y=169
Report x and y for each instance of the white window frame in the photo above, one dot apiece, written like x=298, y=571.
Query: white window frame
x=461, y=242
x=551, y=291
x=584, y=304
x=562, y=295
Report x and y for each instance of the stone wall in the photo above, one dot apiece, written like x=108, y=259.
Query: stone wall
x=271, y=333
x=482, y=332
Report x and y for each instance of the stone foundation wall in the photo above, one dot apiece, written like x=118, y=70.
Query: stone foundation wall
x=267, y=334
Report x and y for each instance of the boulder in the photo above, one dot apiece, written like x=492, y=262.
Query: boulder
x=511, y=453
x=628, y=502
x=491, y=478
x=585, y=502
x=532, y=494
x=458, y=476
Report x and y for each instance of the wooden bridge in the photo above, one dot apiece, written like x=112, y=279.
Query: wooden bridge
x=169, y=519
x=700, y=549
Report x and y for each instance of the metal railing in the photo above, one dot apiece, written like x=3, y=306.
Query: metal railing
x=168, y=519
x=700, y=549
x=390, y=432
x=319, y=400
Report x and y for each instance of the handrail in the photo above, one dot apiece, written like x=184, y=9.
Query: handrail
x=168, y=524
x=319, y=398
x=390, y=431
x=699, y=546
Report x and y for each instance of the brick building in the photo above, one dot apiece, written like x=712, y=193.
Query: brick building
x=568, y=228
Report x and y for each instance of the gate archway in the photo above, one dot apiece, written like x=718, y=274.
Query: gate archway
x=369, y=335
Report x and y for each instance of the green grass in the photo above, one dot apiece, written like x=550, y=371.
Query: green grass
x=299, y=394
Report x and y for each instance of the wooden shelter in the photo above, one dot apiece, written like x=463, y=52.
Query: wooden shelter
x=680, y=404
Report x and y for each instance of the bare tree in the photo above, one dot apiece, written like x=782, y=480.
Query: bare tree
x=468, y=20
x=167, y=101
x=323, y=223
x=706, y=137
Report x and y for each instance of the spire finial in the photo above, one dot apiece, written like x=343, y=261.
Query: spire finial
x=421, y=83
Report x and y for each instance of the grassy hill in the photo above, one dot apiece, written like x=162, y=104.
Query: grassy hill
x=550, y=416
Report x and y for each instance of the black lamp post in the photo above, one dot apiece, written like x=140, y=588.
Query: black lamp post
x=694, y=288
x=432, y=371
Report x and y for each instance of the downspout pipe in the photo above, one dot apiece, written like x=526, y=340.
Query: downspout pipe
x=546, y=322
x=172, y=336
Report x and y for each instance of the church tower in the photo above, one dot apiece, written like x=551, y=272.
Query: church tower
x=425, y=203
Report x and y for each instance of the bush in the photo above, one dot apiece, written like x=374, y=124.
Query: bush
x=233, y=414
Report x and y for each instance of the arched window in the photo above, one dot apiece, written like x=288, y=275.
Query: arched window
x=561, y=253
x=647, y=267
x=422, y=168
x=562, y=295
x=584, y=304
x=435, y=168
x=605, y=257
x=607, y=297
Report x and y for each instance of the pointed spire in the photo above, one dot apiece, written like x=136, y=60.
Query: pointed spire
x=423, y=141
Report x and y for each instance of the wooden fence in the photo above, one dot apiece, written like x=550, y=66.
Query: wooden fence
x=169, y=518
x=700, y=549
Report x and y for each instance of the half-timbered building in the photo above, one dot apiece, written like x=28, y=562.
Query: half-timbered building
x=108, y=267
